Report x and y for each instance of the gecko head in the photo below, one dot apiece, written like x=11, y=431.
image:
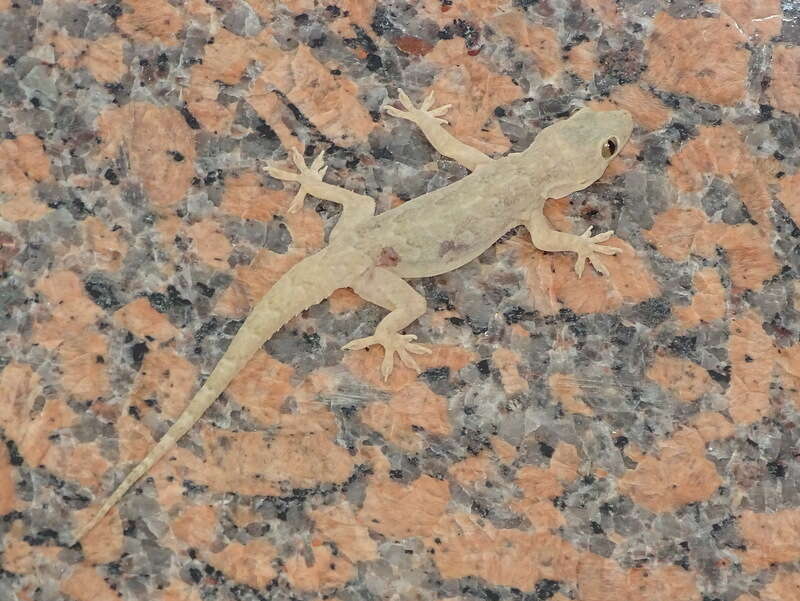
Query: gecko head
x=582, y=146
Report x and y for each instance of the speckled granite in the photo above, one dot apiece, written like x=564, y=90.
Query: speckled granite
x=631, y=438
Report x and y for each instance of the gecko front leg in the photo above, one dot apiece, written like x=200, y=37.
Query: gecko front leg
x=430, y=122
x=544, y=237
x=385, y=289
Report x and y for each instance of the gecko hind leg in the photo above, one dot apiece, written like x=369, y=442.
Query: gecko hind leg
x=355, y=207
x=383, y=288
x=430, y=122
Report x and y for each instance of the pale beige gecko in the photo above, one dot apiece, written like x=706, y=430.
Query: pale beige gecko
x=375, y=254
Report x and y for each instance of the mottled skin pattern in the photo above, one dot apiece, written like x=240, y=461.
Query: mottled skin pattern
x=437, y=232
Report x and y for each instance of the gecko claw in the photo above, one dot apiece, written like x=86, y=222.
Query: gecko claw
x=394, y=112
x=417, y=115
x=588, y=248
x=441, y=110
x=404, y=99
x=299, y=161
x=319, y=161
x=428, y=102
x=392, y=343
x=360, y=343
x=297, y=201
x=305, y=176
x=281, y=174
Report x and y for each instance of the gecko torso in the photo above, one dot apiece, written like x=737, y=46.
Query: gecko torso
x=432, y=234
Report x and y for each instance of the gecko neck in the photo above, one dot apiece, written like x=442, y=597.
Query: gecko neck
x=527, y=187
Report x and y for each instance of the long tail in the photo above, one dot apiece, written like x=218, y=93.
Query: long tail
x=306, y=284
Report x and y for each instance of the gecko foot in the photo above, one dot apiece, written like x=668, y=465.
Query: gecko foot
x=588, y=248
x=392, y=343
x=415, y=114
x=306, y=174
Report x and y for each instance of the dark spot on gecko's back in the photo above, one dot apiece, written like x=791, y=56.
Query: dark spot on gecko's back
x=449, y=246
x=388, y=257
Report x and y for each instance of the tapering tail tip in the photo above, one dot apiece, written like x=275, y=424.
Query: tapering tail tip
x=305, y=284
x=84, y=530
x=76, y=538
x=87, y=527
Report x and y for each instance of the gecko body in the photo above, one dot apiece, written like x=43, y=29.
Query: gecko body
x=432, y=234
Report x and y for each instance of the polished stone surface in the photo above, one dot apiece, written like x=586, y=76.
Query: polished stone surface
x=625, y=438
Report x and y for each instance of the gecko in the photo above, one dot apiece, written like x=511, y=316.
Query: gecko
x=432, y=234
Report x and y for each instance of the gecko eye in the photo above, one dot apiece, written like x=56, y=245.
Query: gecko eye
x=609, y=148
